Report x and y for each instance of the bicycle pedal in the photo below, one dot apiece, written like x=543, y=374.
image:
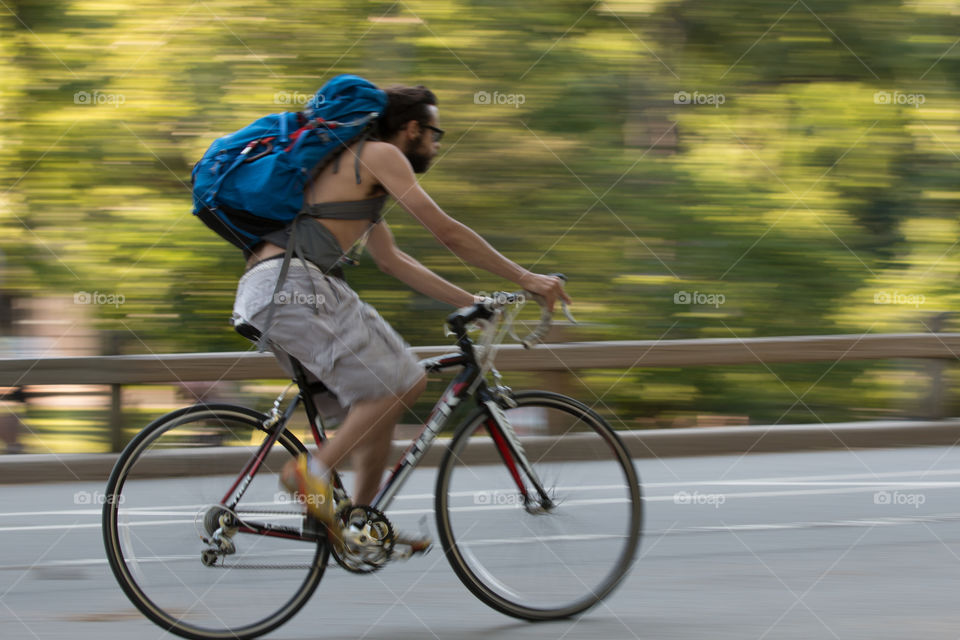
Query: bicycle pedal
x=404, y=551
x=401, y=552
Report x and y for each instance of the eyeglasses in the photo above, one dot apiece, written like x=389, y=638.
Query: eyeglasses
x=437, y=133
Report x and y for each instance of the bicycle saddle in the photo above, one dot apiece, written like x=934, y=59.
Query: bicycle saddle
x=247, y=330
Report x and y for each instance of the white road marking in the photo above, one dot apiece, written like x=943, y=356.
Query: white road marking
x=834, y=485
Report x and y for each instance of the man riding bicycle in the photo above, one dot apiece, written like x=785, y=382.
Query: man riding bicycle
x=338, y=338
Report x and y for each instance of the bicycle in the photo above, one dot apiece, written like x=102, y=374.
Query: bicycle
x=538, y=528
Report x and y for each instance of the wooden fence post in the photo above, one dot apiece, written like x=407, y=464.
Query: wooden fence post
x=560, y=381
x=935, y=404
x=116, y=399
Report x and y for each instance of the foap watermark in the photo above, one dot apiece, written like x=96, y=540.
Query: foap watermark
x=696, y=498
x=282, y=497
x=98, y=297
x=896, y=97
x=498, y=498
x=298, y=297
x=698, y=297
x=899, y=498
x=99, y=98
x=294, y=99
x=513, y=99
x=712, y=99
x=898, y=297
x=504, y=298
x=96, y=498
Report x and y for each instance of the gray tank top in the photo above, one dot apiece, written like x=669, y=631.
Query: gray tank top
x=316, y=243
x=306, y=240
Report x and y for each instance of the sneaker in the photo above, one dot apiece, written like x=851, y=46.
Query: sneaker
x=413, y=543
x=317, y=493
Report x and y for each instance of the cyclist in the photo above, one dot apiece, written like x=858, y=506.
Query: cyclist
x=321, y=321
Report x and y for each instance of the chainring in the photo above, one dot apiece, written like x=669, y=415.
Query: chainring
x=368, y=540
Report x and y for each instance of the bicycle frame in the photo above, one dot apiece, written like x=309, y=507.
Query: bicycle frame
x=466, y=383
x=469, y=382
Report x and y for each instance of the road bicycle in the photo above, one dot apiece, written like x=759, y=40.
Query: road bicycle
x=539, y=527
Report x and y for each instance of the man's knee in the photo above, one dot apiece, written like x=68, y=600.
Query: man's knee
x=403, y=397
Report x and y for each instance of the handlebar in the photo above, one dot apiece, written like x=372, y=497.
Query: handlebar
x=490, y=308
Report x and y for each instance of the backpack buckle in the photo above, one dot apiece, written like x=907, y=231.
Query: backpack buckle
x=254, y=144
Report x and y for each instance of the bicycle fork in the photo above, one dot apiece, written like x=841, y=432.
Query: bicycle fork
x=515, y=458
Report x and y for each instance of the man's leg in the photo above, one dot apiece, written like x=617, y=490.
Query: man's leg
x=367, y=433
x=356, y=353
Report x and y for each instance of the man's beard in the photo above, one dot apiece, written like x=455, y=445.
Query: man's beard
x=419, y=161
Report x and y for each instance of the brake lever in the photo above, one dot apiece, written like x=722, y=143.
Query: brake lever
x=563, y=303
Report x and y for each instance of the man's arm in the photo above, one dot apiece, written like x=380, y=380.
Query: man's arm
x=394, y=262
x=394, y=172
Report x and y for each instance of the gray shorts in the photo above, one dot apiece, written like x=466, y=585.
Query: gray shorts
x=321, y=321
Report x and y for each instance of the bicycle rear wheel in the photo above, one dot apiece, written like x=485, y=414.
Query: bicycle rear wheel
x=164, y=497
x=544, y=558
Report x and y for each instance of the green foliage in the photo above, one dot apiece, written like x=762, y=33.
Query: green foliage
x=793, y=189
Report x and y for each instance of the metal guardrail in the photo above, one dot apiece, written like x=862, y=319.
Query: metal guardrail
x=643, y=444
x=117, y=371
x=249, y=365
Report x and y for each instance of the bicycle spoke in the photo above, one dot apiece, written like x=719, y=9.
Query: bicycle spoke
x=194, y=566
x=524, y=555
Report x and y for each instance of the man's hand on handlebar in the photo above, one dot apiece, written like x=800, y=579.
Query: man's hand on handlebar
x=548, y=287
x=544, y=289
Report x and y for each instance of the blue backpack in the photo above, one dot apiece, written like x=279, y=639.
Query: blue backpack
x=251, y=182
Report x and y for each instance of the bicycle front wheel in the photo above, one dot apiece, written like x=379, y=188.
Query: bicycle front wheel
x=565, y=545
x=164, y=506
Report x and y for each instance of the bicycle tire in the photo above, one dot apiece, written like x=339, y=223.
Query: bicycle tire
x=481, y=581
x=172, y=622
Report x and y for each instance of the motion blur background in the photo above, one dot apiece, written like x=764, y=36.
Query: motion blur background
x=699, y=169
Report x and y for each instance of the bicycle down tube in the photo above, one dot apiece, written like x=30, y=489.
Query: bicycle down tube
x=456, y=391
x=511, y=451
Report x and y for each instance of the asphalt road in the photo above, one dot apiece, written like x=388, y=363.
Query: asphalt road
x=844, y=544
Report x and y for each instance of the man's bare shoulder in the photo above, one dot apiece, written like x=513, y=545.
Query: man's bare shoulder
x=383, y=154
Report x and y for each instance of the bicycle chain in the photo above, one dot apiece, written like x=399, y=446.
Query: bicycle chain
x=332, y=559
x=223, y=565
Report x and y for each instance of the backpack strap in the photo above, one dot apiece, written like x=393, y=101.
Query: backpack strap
x=356, y=165
x=363, y=141
x=293, y=250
